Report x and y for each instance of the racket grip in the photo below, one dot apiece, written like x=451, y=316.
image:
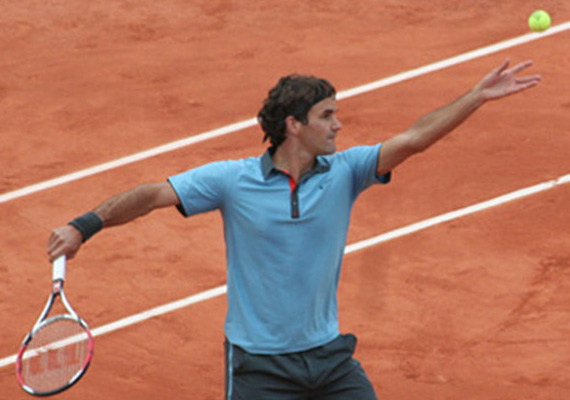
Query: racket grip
x=59, y=269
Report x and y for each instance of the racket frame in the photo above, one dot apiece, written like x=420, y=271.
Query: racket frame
x=58, y=278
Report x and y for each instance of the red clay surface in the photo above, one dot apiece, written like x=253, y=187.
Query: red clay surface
x=477, y=308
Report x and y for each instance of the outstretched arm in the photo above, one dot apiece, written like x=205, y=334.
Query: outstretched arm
x=499, y=83
x=122, y=208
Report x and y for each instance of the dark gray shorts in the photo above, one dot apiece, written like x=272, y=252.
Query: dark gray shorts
x=328, y=372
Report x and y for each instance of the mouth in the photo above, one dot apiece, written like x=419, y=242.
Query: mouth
x=331, y=141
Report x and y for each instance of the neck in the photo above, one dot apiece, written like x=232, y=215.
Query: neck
x=295, y=162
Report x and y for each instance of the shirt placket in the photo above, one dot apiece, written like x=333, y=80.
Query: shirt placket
x=293, y=195
x=294, y=192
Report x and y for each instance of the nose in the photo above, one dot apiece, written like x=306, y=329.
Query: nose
x=337, y=126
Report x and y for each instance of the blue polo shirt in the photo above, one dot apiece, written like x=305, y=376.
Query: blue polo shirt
x=284, y=242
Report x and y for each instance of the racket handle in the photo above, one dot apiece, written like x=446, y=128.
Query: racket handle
x=59, y=269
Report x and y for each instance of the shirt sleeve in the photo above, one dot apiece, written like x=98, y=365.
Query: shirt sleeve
x=363, y=162
x=201, y=189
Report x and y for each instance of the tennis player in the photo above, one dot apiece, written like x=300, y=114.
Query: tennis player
x=286, y=216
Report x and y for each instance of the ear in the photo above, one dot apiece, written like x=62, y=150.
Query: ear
x=292, y=125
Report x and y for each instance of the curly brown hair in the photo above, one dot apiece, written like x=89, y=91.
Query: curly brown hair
x=293, y=95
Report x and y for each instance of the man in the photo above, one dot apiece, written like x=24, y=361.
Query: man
x=286, y=218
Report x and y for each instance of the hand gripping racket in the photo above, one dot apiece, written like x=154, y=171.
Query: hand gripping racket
x=58, y=350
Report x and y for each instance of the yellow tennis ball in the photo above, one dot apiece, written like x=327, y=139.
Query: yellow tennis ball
x=539, y=21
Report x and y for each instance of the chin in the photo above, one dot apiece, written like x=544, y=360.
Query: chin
x=328, y=151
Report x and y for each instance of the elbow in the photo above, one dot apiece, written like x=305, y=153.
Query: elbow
x=419, y=146
x=415, y=143
x=146, y=196
x=158, y=195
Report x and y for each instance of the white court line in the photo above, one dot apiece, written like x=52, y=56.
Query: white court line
x=238, y=126
x=418, y=226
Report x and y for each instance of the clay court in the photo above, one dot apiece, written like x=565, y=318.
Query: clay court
x=477, y=307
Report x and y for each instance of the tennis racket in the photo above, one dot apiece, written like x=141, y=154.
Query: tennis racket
x=59, y=349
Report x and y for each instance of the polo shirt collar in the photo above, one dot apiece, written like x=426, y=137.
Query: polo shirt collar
x=267, y=165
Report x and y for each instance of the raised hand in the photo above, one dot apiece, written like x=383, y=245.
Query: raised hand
x=503, y=82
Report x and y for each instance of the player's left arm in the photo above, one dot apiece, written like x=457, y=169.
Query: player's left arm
x=430, y=128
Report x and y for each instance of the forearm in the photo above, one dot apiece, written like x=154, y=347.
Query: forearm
x=127, y=206
x=122, y=208
x=433, y=126
x=117, y=210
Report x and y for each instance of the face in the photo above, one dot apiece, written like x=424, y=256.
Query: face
x=318, y=136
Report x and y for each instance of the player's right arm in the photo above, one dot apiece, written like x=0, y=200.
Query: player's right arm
x=117, y=210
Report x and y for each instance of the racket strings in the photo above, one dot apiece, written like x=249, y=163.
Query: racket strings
x=57, y=352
